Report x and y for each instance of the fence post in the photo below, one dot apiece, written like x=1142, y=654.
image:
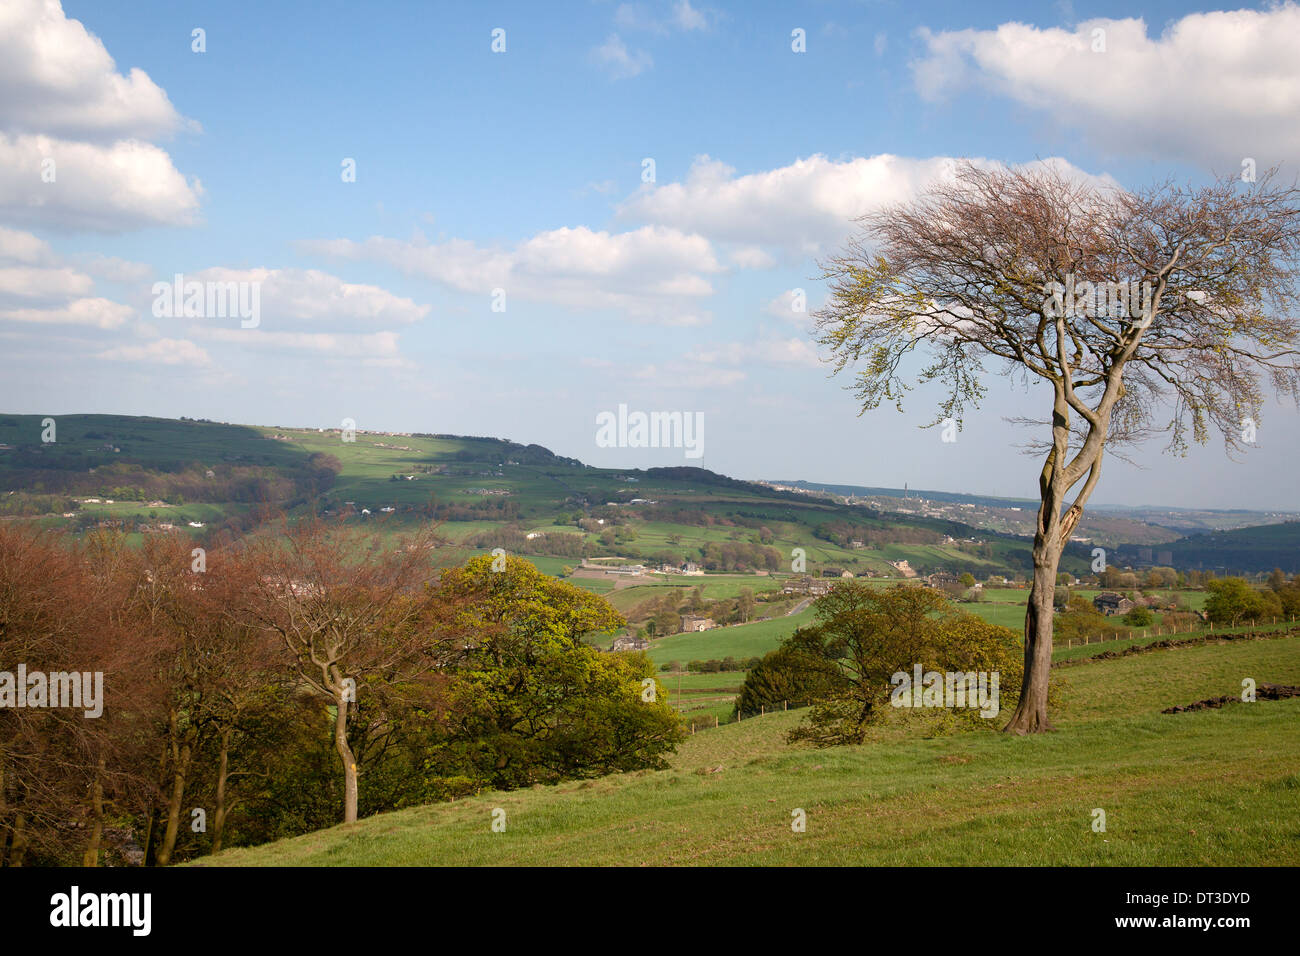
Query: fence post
x=762, y=710
x=692, y=726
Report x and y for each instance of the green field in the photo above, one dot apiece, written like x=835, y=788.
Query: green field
x=1196, y=789
x=739, y=641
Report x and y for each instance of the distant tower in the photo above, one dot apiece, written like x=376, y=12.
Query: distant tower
x=904, y=489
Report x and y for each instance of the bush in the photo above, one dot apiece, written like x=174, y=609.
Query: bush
x=872, y=635
x=1139, y=616
x=786, y=675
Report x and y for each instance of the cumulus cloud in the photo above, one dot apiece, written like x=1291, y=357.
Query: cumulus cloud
x=663, y=18
x=56, y=78
x=309, y=297
x=42, y=283
x=651, y=273
x=803, y=207
x=19, y=246
x=127, y=185
x=117, y=270
x=75, y=150
x=37, y=287
x=160, y=352
x=619, y=61
x=375, y=345
x=787, y=352
x=94, y=312
x=687, y=375
x=751, y=257
x=790, y=307
x=1213, y=86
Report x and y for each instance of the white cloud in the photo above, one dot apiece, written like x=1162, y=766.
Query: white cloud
x=63, y=101
x=752, y=257
x=803, y=208
x=56, y=78
x=1213, y=86
x=117, y=270
x=686, y=17
x=652, y=273
x=31, y=282
x=317, y=299
x=621, y=62
x=783, y=308
x=94, y=312
x=665, y=18
x=160, y=352
x=779, y=352
x=37, y=287
x=127, y=185
x=18, y=246
x=371, y=346
x=689, y=376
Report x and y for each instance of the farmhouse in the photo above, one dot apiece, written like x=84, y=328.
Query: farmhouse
x=808, y=585
x=629, y=644
x=1110, y=603
x=692, y=623
x=904, y=567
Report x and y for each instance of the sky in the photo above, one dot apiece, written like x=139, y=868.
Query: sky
x=508, y=219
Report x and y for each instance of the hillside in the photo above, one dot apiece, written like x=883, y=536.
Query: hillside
x=1195, y=789
x=1106, y=525
x=217, y=481
x=1255, y=549
x=143, y=473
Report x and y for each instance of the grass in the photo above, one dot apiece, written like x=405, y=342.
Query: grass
x=739, y=641
x=1196, y=789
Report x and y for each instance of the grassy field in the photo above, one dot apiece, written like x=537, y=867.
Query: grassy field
x=740, y=641
x=1211, y=787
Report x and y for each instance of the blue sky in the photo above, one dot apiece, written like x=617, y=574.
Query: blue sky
x=523, y=170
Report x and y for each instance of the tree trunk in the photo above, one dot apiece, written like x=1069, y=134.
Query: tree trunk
x=223, y=773
x=1031, y=711
x=349, y=760
x=91, y=856
x=18, y=845
x=174, y=806
x=4, y=814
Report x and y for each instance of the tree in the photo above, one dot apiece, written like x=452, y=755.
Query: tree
x=1233, y=600
x=873, y=633
x=1121, y=304
x=787, y=674
x=1139, y=616
x=348, y=616
x=745, y=604
x=533, y=702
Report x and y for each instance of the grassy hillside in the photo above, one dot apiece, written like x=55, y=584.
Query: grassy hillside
x=205, y=471
x=1211, y=787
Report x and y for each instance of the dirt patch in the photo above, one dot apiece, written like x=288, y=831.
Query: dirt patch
x=1262, y=692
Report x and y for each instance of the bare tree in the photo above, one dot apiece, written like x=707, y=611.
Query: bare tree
x=349, y=612
x=1162, y=310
